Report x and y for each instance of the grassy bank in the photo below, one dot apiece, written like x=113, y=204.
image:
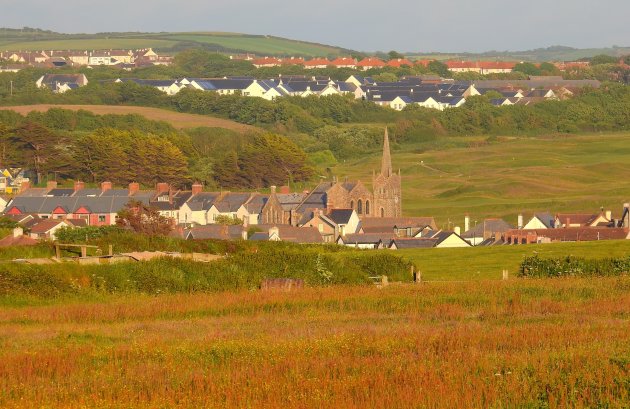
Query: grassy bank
x=521, y=343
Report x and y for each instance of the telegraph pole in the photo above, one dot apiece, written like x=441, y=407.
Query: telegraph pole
x=11, y=82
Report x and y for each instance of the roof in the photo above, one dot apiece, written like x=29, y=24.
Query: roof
x=488, y=225
x=575, y=233
x=583, y=219
x=340, y=216
x=216, y=232
x=21, y=240
x=414, y=243
x=386, y=224
x=368, y=238
x=46, y=225
x=290, y=234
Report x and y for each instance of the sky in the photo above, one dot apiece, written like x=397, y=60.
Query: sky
x=367, y=25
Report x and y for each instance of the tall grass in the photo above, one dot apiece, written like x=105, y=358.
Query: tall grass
x=522, y=343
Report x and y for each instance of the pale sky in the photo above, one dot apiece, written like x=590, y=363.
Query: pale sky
x=366, y=25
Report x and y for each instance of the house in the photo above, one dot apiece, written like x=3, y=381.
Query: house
x=366, y=240
x=430, y=239
x=17, y=238
x=398, y=226
x=46, y=229
x=316, y=63
x=344, y=62
x=540, y=221
x=487, y=229
x=563, y=220
x=335, y=223
x=291, y=234
x=369, y=63
x=215, y=232
x=12, y=179
x=60, y=83
x=572, y=234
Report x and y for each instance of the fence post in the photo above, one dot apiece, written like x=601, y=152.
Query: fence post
x=505, y=274
x=384, y=281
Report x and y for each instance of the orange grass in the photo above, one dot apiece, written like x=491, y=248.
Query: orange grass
x=520, y=343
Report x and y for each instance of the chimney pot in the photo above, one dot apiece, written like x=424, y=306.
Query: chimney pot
x=25, y=186
x=78, y=185
x=520, y=221
x=197, y=188
x=273, y=189
x=162, y=187
x=51, y=184
x=105, y=186
x=134, y=188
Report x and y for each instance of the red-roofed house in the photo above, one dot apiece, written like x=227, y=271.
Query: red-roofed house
x=399, y=62
x=317, y=63
x=372, y=62
x=266, y=62
x=344, y=62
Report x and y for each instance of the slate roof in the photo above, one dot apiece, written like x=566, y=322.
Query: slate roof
x=290, y=234
x=203, y=200
x=103, y=204
x=215, y=232
x=487, y=225
x=340, y=216
x=387, y=224
x=413, y=243
x=231, y=202
x=368, y=238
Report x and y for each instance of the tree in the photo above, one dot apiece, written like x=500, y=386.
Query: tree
x=527, y=68
x=604, y=59
x=143, y=219
x=393, y=55
x=39, y=148
x=439, y=68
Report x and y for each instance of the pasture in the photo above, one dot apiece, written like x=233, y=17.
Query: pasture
x=519, y=343
x=176, y=119
x=450, y=177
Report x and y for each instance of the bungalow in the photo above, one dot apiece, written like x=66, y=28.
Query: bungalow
x=60, y=83
x=215, y=232
x=540, y=221
x=366, y=240
x=571, y=234
x=487, y=229
x=317, y=63
x=344, y=62
x=582, y=220
x=369, y=63
x=47, y=229
x=398, y=226
x=265, y=89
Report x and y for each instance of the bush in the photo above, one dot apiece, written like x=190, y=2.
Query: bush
x=570, y=266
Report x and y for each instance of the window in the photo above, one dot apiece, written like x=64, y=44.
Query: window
x=367, y=207
x=102, y=219
x=321, y=227
x=382, y=212
x=360, y=207
x=352, y=204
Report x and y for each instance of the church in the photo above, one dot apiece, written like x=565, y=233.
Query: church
x=383, y=201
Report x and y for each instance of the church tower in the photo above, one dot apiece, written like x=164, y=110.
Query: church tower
x=387, y=186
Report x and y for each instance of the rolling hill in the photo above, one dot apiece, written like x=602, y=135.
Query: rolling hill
x=34, y=39
x=511, y=175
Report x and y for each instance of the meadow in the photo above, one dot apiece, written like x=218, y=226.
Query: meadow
x=519, y=343
x=504, y=176
x=176, y=119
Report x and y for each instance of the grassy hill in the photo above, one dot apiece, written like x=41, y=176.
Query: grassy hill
x=508, y=176
x=176, y=119
x=164, y=42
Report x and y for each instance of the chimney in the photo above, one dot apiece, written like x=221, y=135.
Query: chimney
x=25, y=186
x=273, y=190
x=285, y=190
x=626, y=215
x=134, y=188
x=51, y=184
x=17, y=232
x=162, y=187
x=78, y=185
x=568, y=222
x=244, y=234
x=457, y=230
x=466, y=223
x=520, y=221
x=274, y=230
x=105, y=186
x=608, y=215
x=197, y=188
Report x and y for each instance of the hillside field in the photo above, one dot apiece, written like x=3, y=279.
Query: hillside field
x=520, y=343
x=176, y=119
x=450, y=177
x=167, y=42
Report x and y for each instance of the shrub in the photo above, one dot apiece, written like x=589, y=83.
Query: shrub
x=573, y=267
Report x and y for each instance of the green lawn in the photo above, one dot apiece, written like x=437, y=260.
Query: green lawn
x=502, y=179
x=487, y=263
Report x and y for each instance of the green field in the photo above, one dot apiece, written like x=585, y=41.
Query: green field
x=168, y=42
x=87, y=44
x=488, y=263
x=512, y=175
x=264, y=45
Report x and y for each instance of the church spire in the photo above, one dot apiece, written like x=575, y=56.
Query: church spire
x=386, y=164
